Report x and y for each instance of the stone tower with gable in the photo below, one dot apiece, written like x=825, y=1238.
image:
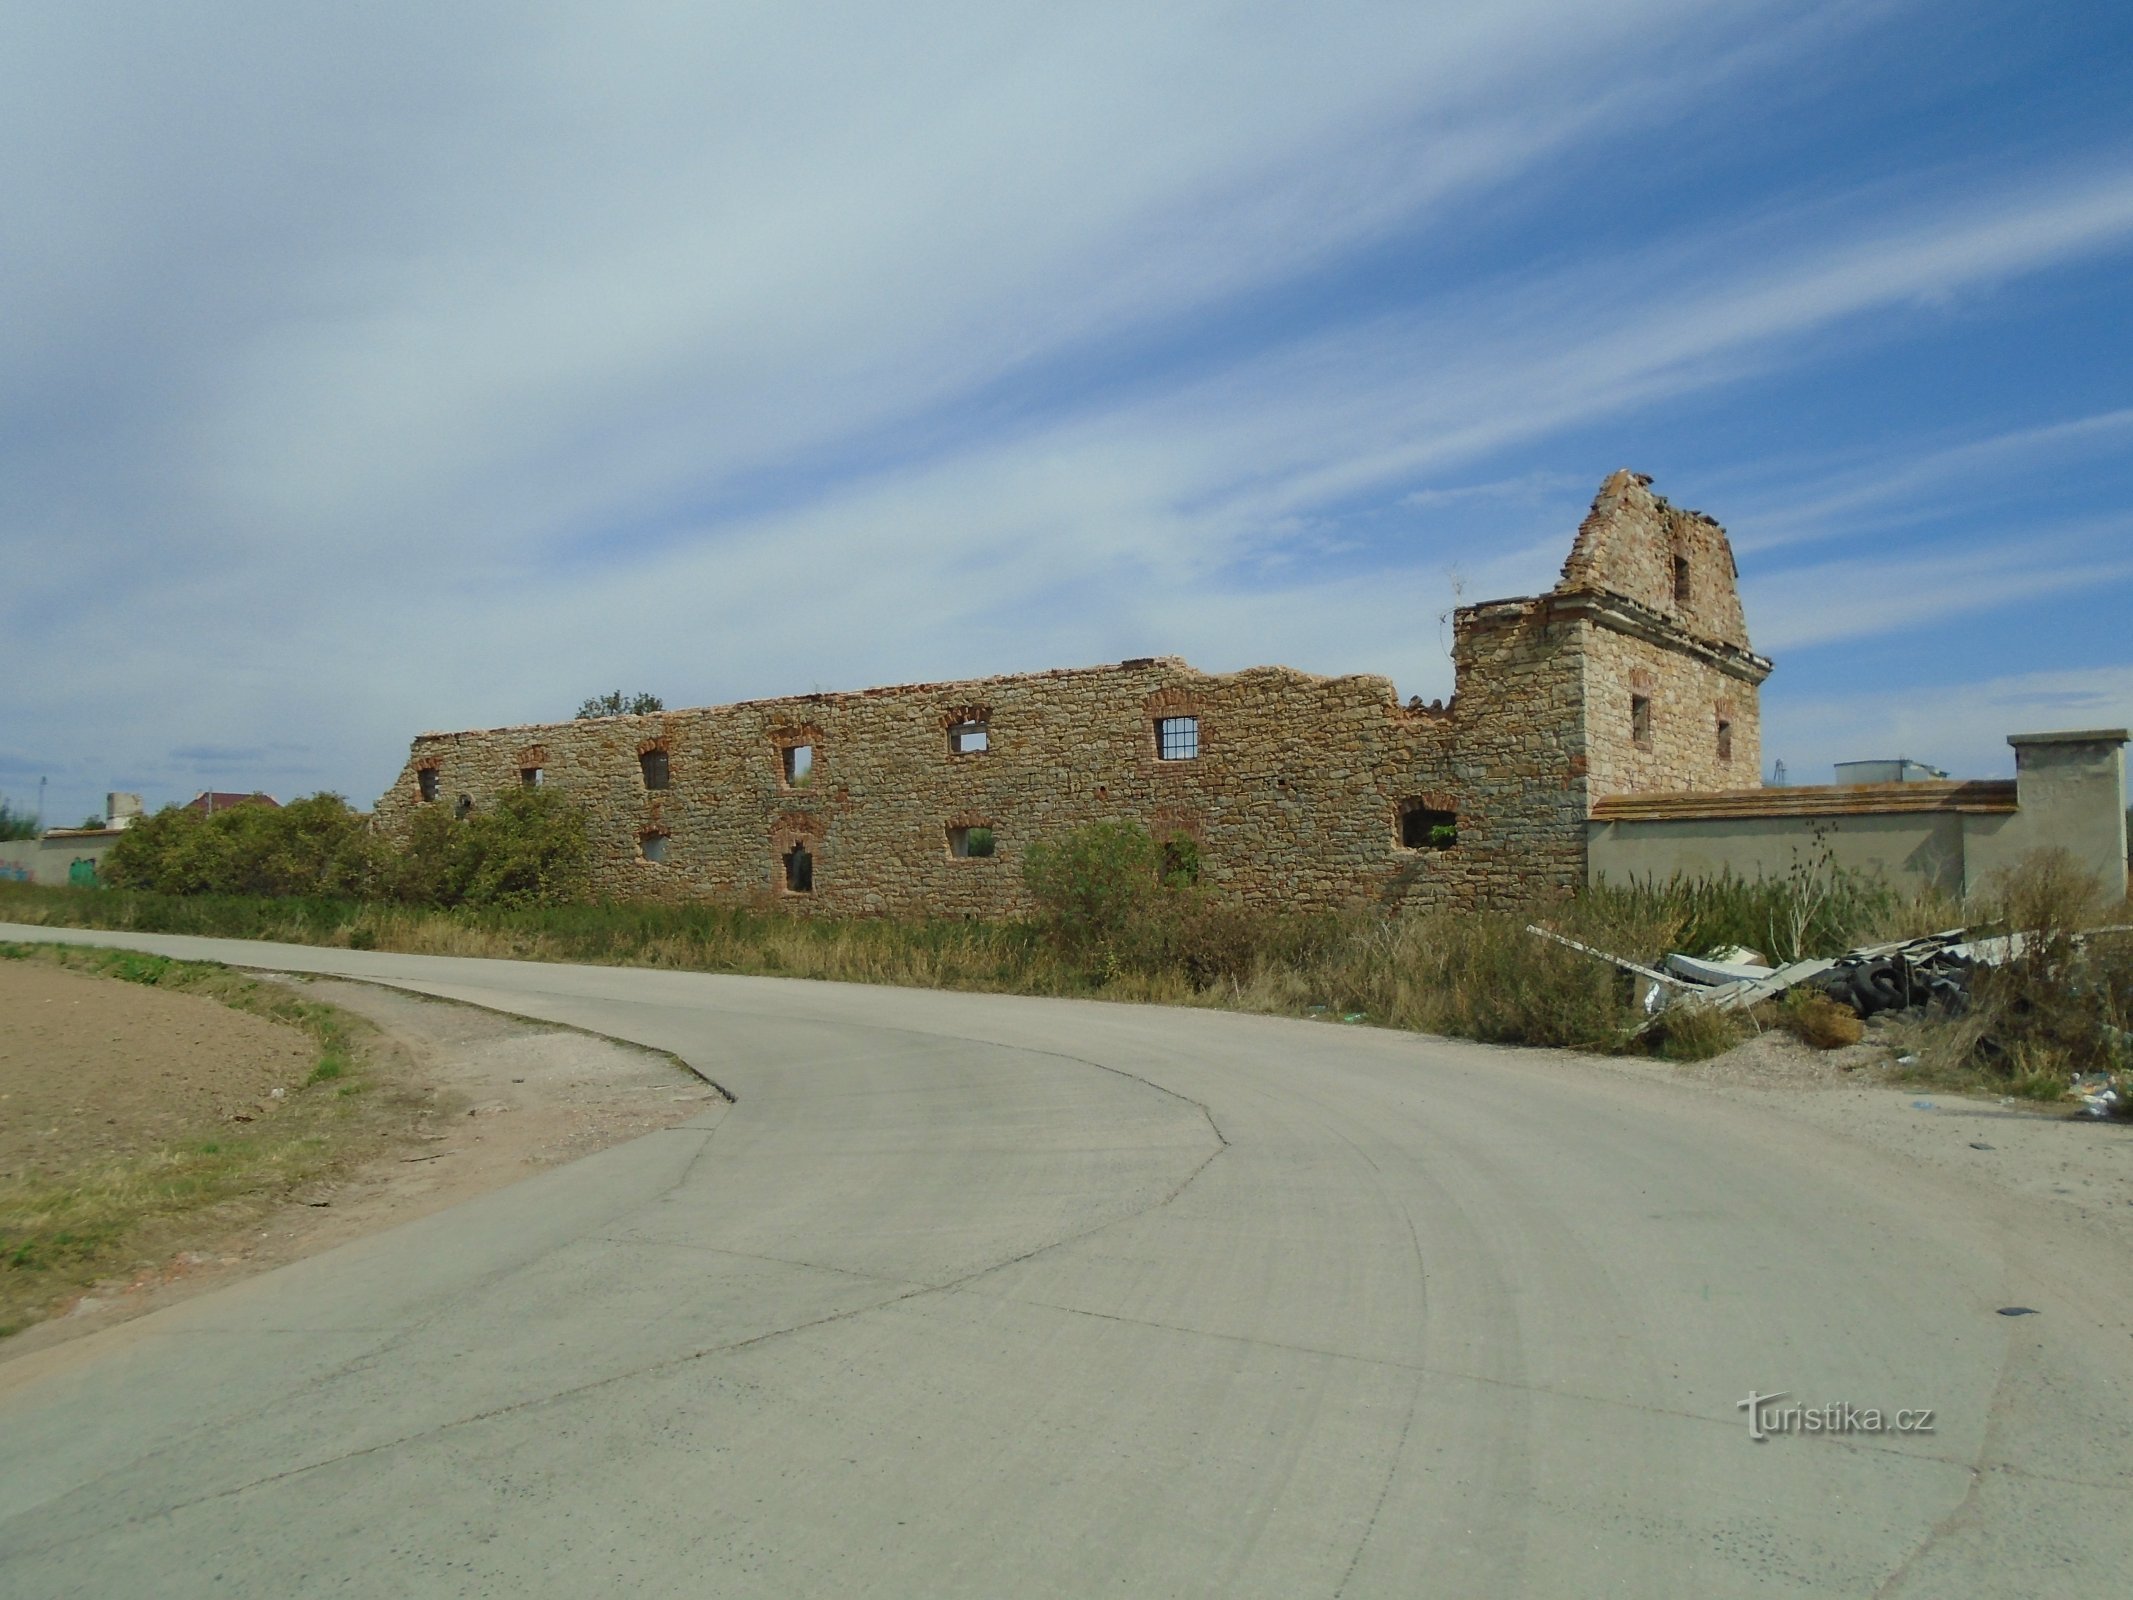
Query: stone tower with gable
x=1671, y=687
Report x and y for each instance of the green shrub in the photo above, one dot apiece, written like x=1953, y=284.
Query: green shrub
x=530, y=847
x=1093, y=882
x=16, y=824
x=316, y=846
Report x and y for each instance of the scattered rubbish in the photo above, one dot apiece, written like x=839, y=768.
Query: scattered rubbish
x=276, y=1094
x=1355, y=1016
x=1977, y=1146
x=2103, y=1103
x=1716, y=969
x=434, y=1155
x=1923, y=1105
x=2020, y=1311
x=1874, y=982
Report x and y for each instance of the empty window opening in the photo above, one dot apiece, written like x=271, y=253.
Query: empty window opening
x=463, y=807
x=426, y=783
x=1181, y=862
x=1640, y=720
x=1177, y=738
x=799, y=870
x=970, y=844
x=653, y=846
x=654, y=764
x=968, y=738
x=1427, y=828
x=529, y=777
x=1725, y=739
x=1681, y=580
x=799, y=765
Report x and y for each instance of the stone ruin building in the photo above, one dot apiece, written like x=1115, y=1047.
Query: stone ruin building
x=1277, y=788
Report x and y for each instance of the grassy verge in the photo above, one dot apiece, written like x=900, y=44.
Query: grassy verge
x=1472, y=975
x=60, y=1234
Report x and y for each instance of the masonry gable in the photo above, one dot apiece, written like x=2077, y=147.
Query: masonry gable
x=1672, y=563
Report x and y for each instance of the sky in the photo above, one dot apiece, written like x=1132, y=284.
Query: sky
x=373, y=369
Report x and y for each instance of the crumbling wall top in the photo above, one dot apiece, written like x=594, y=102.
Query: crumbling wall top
x=1671, y=561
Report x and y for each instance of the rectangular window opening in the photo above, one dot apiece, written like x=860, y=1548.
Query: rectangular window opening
x=1427, y=828
x=968, y=738
x=426, y=783
x=654, y=764
x=1181, y=862
x=653, y=846
x=970, y=844
x=1177, y=738
x=1725, y=739
x=1681, y=580
x=529, y=777
x=1640, y=720
x=799, y=870
x=799, y=761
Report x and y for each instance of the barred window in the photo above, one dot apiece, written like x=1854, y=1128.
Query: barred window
x=654, y=764
x=1177, y=738
x=426, y=783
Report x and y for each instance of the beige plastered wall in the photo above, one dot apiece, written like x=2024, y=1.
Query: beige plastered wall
x=2070, y=795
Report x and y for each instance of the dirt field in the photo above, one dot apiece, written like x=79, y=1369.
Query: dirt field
x=111, y=1086
x=90, y=1067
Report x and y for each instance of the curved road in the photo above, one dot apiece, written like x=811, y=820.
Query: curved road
x=971, y=1295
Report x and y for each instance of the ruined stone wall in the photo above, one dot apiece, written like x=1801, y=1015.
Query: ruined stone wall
x=1303, y=793
x=1292, y=799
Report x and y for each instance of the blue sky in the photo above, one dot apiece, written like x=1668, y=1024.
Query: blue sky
x=384, y=368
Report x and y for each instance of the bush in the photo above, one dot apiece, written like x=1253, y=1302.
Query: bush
x=2062, y=1005
x=16, y=824
x=315, y=847
x=1093, y=883
x=529, y=848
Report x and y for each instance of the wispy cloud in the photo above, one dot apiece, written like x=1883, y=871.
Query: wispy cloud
x=1960, y=726
x=1916, y=486
x=438, y=368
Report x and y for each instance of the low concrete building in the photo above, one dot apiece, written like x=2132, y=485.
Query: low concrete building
x=69, y=856
x=2069, y=792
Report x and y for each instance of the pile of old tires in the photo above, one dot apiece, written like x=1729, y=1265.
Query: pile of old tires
x=1874, y=984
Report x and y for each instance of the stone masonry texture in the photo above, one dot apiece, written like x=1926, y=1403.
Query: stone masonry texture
x=1295, y=798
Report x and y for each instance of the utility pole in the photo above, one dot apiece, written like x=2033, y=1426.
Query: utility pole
x=40, y=805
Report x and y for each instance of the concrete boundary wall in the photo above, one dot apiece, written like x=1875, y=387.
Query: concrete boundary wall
x=59, y=858
x=2069, y=793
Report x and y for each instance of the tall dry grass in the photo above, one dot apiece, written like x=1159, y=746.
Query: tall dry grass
x=1476, y=975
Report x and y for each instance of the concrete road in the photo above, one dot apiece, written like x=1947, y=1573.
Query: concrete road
x=996, y=1297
